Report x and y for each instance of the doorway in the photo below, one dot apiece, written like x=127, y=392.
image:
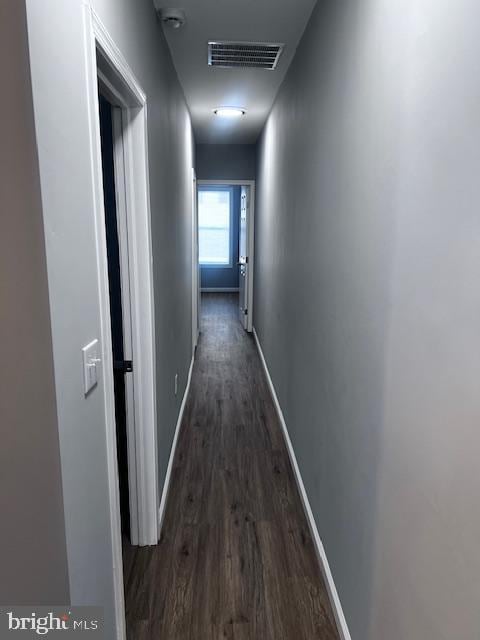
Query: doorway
x=226, y=241
x=130, y=315
x=109, y=77
x=122, y=128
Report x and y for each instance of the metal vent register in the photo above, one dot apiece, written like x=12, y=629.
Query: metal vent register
x=256, y=55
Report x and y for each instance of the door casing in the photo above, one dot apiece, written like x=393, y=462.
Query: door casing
x=106, y=65
x=195, y=266
x=251, y=234
x=243, y=250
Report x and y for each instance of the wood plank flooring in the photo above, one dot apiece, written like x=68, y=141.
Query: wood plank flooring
x=235, y=559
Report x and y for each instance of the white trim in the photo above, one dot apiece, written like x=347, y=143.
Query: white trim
x=105, y=331
x=251, y=235
x=168, y=475
x=251, y=255
x=120, y=161
x=220, y=289
x=119, y=79
x=113, y=54
x=143, y=325
x=319, y=548
x=123, y=86
x=195, y=266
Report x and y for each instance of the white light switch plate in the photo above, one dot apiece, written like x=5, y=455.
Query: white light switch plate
x=90, y=356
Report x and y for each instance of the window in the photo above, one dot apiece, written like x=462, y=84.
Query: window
x=214, y=227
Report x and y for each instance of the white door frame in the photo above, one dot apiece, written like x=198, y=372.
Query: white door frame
x=116, y=76
x=251, y=234
x=120, y=146
x=195, y=266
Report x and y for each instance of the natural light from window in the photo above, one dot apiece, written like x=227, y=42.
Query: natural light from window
x=214, y=227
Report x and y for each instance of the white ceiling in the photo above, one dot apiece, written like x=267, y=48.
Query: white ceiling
x=208, y=87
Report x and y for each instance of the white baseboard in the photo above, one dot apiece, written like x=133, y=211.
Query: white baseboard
x=220, y=290
x=166, y=484
x=319, y=548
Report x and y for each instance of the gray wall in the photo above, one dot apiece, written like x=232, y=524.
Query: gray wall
x=33, y=556
x=367, y=303
x=56, y=37
x=225, y=161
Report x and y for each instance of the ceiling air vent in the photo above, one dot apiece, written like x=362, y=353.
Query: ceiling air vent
x=244, y=55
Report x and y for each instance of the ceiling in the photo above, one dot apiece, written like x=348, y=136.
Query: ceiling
x=207, y=87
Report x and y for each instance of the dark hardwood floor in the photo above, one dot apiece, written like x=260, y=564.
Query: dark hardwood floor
x=235, y=559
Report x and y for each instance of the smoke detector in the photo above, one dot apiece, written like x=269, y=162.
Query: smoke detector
x=172, y=18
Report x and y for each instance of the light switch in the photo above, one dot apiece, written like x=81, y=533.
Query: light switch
x=90, y=355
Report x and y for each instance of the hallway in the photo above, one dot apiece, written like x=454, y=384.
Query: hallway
x=322, y=161
x=236, y=558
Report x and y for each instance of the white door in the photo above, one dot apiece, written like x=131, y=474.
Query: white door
x=126, y=365
x=243, y=265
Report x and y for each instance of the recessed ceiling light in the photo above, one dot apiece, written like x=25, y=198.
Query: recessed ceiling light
x=229, y=112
